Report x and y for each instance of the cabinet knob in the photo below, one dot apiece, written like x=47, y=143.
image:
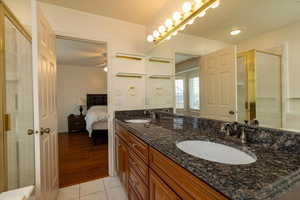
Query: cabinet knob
x=30, y=132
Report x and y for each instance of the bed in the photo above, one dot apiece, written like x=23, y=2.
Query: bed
x=96, y=116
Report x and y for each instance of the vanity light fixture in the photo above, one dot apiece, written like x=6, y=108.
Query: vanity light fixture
x=190, y=12
x=235, y=32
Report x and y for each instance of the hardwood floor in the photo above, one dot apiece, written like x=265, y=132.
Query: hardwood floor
x=80, y=160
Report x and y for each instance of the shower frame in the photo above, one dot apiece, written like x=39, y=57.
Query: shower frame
x=250, y=81
x=5, y=12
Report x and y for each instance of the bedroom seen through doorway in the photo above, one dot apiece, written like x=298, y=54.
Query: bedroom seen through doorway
x=82, y=110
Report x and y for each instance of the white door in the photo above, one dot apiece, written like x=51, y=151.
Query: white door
x=218, y=85
x=45, y=108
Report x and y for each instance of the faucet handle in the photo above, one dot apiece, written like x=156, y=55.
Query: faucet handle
x=243, y=135
x=254, y=122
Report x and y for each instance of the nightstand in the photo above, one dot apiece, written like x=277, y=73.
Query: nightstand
x=76, y=123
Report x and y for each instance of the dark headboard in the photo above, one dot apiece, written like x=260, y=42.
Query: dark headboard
x=96, y=100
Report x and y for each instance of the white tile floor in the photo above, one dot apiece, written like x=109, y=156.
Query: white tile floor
x=108, y=188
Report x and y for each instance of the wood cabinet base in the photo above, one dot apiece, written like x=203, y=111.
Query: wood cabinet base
x=148, y=174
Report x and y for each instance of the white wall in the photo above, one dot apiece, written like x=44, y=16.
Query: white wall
x=288, y=37
x=73, y=83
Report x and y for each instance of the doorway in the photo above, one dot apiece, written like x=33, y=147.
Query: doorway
x=82, y=110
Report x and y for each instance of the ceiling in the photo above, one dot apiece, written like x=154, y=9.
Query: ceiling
x=135, y=11
x=80, y=53
x=179, y=57
x=254, y=17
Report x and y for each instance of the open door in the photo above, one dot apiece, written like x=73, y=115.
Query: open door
x=218, y=85
x=44, y=67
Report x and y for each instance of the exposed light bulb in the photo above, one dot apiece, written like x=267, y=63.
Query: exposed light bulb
x=169, y=23
x=202, y=14
x=187, y=7
x=156, y=34
x=177, y=16
x=198, y=3
x=182, y=28
x=150, y=38
x=235, y=32
x=175, y=33
x=162, y=29
x=191, y=22
x=168, y=38
x=215, y=5
x=105, y=69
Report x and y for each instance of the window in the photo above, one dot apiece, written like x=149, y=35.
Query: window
x=179, y=87
x=194, y=100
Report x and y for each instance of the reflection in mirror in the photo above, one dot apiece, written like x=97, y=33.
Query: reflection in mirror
x=259, y=87
x=17, y=153
x=187, y=84
x=248, y=64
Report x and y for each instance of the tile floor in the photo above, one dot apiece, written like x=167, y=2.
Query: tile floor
x=108, y=188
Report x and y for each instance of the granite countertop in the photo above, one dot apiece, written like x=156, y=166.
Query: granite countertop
x=275, y=172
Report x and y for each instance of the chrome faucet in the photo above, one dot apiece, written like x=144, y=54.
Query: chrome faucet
x=234, y=131
x=152, y=114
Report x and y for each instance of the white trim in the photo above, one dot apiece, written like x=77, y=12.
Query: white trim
x=36, y=117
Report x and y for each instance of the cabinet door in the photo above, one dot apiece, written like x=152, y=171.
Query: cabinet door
x=122, y=161
x=159, y=190
x=118, y=156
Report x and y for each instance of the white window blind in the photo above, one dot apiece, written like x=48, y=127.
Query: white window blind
x=194, y=98
x=179, y=87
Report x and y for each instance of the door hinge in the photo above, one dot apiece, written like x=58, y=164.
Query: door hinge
x=7, y=119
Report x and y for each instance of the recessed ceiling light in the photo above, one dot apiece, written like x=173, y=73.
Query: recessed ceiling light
x=235, y=32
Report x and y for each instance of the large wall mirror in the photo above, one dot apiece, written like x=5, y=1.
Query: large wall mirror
x=239, y=62
x=17, y=167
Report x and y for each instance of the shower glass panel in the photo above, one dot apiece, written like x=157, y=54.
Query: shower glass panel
x=19, y=108
x=268, y=89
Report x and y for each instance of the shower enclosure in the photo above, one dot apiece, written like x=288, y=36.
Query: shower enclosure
x=259, y=87
x=17, y=146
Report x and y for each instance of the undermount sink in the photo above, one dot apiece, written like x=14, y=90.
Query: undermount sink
x=216, y=152
x=138, y=121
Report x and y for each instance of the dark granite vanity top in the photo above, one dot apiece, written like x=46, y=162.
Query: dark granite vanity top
x=276, y=171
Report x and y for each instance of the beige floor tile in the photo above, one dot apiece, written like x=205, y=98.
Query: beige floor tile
x=116, y=193
x=111, y=182
x=95, y=196
x=91, y=187
x=69, y=193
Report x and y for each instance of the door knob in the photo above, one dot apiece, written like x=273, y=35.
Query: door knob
x=30, y=132
x=231, y=112
x=45, y=130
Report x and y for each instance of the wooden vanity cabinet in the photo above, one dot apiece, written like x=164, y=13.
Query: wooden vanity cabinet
x=147, y=174
x=159, y=190
x=122, y=157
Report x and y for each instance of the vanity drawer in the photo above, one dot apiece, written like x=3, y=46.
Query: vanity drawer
x=138, y=185
x=139, y=147
x=181, y=181
x=122, y=133
x=137, y=164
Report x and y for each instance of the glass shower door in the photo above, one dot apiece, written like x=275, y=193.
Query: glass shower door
x=268, y=89
x=19, y=108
